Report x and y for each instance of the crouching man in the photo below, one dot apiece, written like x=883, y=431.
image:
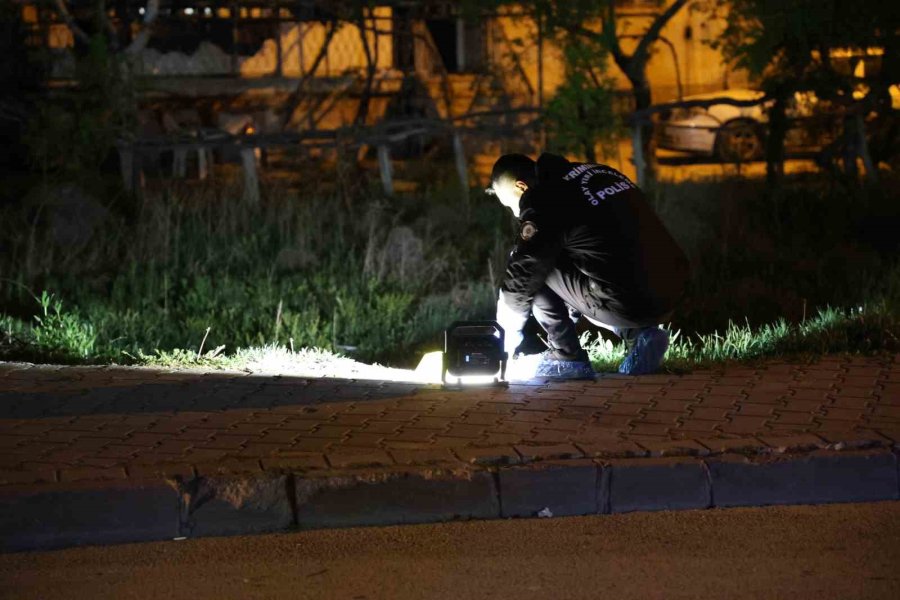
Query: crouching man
x=589, y=244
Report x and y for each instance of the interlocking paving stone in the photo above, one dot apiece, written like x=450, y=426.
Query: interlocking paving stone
x=834, y=397
x=529, y=453
x=228, y=466
x=659, y=416
x=551, y=436
x=259, y=449
x=155, y=472
x=488, y=456
x=294, y=464
x=739, y=445
x=350, y=458
x=91, y=473
x=499, y=439
x=482, y=419
x=717, y=401
x=535, y=417
x=853, y=438
x=423, y=457
x=697, y=425
x=620, y=408
x=891, y=432
x=686, y=447
x=793, y=443
x=561, y=424
x=611, y=448
x=651, y=429
x=313, y=444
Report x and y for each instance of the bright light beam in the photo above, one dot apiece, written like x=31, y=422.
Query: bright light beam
x=518, y=369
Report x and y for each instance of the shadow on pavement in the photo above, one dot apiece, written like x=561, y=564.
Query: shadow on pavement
x=61, y=397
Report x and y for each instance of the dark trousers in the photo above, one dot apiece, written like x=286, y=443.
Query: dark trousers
x=567, y=293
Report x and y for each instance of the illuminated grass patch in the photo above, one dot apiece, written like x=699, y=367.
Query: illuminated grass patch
x=875, y=328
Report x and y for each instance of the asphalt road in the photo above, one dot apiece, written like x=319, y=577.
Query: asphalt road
x=838, y=551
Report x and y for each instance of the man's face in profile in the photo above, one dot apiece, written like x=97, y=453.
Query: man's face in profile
x=509, y=192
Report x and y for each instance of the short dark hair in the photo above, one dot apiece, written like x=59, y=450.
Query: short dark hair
x=517, y=167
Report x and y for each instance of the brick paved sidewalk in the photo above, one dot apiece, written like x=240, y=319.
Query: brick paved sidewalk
x=83, y=424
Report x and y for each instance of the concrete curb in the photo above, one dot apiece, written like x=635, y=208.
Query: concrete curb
x=41, y=518
x=45, y=517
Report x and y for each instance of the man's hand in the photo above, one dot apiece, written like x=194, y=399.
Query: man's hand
x=512, y=324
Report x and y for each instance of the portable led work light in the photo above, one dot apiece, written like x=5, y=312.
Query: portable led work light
x=473, y=353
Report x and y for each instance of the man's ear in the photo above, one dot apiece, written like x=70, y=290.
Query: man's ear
x=521, y=185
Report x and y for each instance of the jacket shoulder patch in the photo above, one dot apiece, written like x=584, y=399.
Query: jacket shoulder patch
x=527, y=231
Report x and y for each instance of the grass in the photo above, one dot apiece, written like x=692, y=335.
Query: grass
x=373, y=277
x=198, y=277
x=871, y=329
x=865, y=330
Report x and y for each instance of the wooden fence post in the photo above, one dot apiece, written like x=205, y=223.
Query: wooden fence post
x=462, y=168
x=202, y=166
x=386, y=169
x=251, y=179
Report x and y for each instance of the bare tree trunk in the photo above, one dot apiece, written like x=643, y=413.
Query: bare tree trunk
x=634, y=66
x=643, y=99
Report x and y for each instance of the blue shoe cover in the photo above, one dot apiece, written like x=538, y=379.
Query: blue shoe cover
x=554, y=367
x=647, y=354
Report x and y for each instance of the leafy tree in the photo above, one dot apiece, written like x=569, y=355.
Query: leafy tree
x=633, y=65
x=581, y=112
x=588, y=31
x=71, y=135
x=789, y=47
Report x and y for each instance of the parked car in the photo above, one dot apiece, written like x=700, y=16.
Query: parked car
x=737, y=133
x=722, y=130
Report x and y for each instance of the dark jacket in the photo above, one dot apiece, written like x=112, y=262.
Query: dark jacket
x=591, y=219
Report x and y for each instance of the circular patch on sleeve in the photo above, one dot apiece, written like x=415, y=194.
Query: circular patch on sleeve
x=528, y=230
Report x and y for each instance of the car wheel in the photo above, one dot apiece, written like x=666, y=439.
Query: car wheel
x=739, y=141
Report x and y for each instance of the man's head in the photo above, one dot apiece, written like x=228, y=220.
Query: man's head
x=511, y=176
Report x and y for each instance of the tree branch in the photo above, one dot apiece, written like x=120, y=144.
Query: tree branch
x=76, y=30
x=140, y=41
x=656, y=27
x=293, y=100
x=612, y=38
x=362, y=111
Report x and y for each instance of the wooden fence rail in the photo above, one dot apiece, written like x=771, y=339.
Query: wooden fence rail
x=380, y=136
